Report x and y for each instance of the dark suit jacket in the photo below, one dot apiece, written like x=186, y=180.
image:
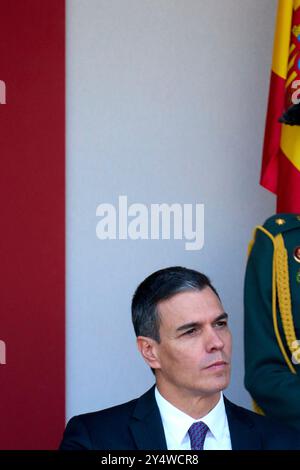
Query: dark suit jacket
x=138, y=425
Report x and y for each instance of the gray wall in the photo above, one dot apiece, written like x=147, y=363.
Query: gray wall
x=166, y=102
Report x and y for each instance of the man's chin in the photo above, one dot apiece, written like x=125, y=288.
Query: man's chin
x=218, y=383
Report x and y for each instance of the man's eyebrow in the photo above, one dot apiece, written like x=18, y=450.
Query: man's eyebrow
x=186, y=326
x=223, y=316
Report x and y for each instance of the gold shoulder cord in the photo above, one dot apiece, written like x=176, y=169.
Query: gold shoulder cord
x=280, y=285
x=284, y=295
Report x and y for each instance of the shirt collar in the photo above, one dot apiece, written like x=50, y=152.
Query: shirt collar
x=178, y=422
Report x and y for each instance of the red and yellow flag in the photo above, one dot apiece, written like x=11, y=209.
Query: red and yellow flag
x=281, y=153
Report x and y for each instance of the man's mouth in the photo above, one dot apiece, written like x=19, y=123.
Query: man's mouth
x=218, y=365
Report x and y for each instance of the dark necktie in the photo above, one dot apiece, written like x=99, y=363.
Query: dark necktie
x=197, y=433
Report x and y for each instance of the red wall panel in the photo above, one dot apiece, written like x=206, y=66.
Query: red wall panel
x=32, y=227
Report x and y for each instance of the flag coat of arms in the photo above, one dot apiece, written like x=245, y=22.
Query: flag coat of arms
x=281, y=152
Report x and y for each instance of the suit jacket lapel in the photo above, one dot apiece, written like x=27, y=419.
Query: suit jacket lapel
x=148, y=434
x=242, y=429
x=146, y=424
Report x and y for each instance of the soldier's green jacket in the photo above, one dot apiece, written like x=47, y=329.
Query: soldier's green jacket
x=272, y=318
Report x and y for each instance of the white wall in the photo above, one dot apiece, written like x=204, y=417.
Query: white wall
x=166, y=102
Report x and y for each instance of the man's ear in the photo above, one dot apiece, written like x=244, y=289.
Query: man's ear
x=148, y=349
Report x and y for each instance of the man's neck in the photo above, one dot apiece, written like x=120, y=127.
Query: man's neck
x=193, y=405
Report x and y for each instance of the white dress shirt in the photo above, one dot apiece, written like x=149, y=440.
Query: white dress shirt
x=176, y=424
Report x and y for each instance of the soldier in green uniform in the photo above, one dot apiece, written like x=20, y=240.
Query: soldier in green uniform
x=272, y=319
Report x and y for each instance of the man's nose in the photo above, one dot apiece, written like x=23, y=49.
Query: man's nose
x=213, y=340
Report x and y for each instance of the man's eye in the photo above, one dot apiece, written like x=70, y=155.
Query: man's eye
x=221, y=323
x=191, y=331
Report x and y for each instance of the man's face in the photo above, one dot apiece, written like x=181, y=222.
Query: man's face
x=194, y=353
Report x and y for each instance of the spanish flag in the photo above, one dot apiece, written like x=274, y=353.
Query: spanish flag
x=281, y=152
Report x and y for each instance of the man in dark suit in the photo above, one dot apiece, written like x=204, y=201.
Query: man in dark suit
x=183, y=335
